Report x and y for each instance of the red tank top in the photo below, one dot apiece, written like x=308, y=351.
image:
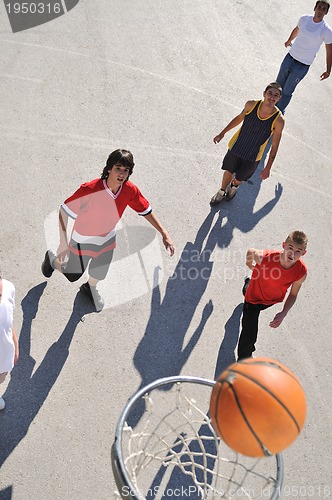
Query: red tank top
x=270, y=281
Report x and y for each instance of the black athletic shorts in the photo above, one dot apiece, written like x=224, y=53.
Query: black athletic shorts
x=243, y=169
x=77, y=264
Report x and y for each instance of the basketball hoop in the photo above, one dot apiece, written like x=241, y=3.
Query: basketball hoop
x=165, y=447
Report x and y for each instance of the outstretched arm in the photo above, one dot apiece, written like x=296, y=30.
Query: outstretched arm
x=15, y=340
x=235, y=122
x=290, y=301
x=63, y=245
x=293, y=35
x=277, y=133
x=155, y=222
x=327, y=73
x=253, y=257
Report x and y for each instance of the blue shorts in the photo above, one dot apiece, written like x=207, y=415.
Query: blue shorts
x=243, y=169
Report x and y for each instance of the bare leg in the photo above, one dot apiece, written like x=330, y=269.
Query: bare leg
x=233, y=188
x=236, y=183
x=227, y=178
x=92, y=281
x=57, y=264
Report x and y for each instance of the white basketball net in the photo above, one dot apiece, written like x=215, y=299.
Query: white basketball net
x=174, y=452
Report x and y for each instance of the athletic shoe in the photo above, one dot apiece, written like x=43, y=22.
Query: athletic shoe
x=218, y=197
x=46, y=267
x=231, y=192
x=2, y=404
x=245, y=286
x=92, y=293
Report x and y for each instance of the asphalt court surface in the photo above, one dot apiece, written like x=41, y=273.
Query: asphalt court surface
x=161, y=79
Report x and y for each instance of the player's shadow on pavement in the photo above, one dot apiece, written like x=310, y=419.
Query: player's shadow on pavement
x=240, y=213
x=7, y=493
x=162, y=351
x=27, y=391
x=226, y=352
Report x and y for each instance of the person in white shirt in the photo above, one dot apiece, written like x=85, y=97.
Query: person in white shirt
x=9, y=351
x=308, y=36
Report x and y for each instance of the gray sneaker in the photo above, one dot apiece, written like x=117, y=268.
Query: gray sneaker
x=231, y=192
x=218, y=197
x=2, y=404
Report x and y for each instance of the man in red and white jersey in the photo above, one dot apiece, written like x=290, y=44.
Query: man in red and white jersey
x=96, y=208
x=273, y=273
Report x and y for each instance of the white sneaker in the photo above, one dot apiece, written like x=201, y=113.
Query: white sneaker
x=2, y=404
x=218, y=197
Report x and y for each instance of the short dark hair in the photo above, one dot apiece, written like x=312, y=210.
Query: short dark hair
x=121, y=156
x=323, y=1
x=274, y=85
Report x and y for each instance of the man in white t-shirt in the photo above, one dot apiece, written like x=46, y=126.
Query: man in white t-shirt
x=8, y=338
x=308, y=36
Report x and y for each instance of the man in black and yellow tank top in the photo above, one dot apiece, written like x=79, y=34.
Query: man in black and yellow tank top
x=261, y=119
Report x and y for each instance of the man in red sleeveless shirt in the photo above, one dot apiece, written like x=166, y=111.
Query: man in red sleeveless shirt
x=261, y=120
x=273, y=273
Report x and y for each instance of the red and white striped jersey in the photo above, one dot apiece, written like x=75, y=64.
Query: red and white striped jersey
x=96, y=211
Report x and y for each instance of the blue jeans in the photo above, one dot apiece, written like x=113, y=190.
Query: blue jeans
x=290, y=74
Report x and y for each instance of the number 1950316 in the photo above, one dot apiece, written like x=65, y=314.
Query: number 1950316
x=34, y=8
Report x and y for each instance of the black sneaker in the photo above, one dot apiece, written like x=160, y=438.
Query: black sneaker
x=92, y=293
x=245, y=286
x=46, y=266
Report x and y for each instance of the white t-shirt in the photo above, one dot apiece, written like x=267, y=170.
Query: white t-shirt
x=310, y=38
x=7, y=305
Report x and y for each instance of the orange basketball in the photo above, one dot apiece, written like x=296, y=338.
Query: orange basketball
x=258, y=407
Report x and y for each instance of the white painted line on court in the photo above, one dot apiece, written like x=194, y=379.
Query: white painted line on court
x=18, y=77
x=303, y=184
x=307, y=146
x=127, y=66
